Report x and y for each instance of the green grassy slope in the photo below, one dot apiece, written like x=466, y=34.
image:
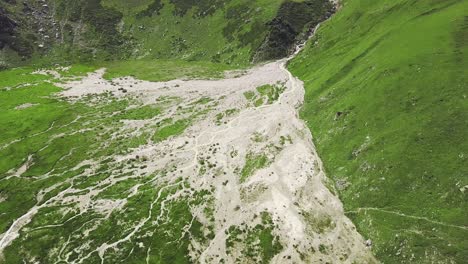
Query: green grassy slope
x=386, y=99
x=221, y=31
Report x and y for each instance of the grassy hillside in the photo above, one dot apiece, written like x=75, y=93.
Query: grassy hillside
x=221, y=31
x=386, y=99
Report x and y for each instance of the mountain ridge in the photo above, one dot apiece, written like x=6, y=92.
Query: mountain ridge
x=225, y=31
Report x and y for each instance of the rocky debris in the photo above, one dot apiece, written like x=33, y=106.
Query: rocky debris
x=341, y=114
x=28, y=30
x=7, y=28
x=294, y=22
x=35, y=27
x=24, y=106
x=463, y=189
x=338, y=115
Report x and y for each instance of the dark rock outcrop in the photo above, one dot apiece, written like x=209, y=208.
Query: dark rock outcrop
x=7, y=28
x=293, y=23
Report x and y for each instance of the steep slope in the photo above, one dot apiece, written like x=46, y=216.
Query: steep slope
x=386, y=100
x=227, y=31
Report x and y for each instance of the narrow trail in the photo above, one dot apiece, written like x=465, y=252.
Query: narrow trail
x=358, y=210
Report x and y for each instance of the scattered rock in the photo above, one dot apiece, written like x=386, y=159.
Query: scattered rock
x=339, y=114
x=342, y=184
x=24, y=106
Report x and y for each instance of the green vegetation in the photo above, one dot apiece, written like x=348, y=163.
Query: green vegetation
x=285, y=139
x=249, y=95
x=253, y=162
x=271, y=92
x=218, y=31
x=259, y=243
x=168, y=127
x=76, y=70
x=234, y=32
x=318, y=223
x=221, y=116
x=266, y=94
x=258, y=137
x=141, y=113
x=386, y=102
x=174, y=129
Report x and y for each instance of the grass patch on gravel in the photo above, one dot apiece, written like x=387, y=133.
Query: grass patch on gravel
x=259, y=244
x=165, y=70
x=270, y=92
x=265, y=94
x=174, y=129
x=253, y=162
